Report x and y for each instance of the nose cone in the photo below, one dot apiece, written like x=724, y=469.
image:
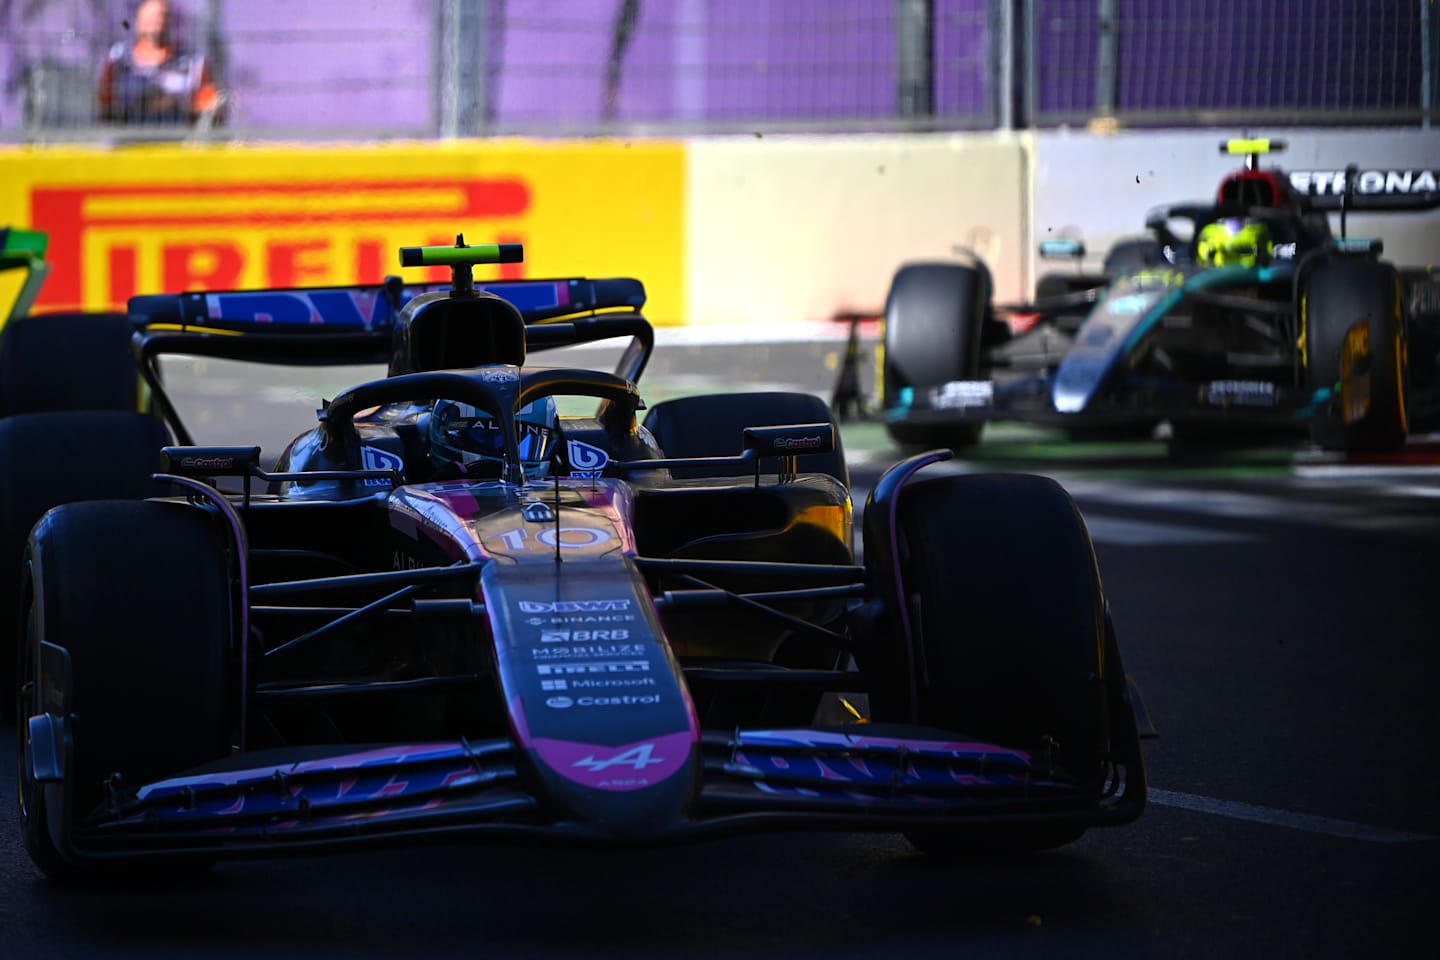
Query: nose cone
x=1076, y=383
x=632, y=790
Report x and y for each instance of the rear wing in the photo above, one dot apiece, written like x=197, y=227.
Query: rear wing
x=23, y=250
x=372, y=307
x=1368, y=191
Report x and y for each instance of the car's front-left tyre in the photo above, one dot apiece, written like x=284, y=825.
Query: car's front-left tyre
x=139, y=597
x=998, y=632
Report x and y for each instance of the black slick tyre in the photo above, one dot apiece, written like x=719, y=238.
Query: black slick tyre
x=1007, y=621
x=68, y=361
x=1355, y=298
x=39, y=470
x=139, y=594
x=934, y=320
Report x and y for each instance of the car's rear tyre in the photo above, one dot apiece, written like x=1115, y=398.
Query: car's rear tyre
x=68, y=361
x=999, y=577
x=934, y=320
x=712, y=425
x=47, y=459
x=1335, y=293
x=139, y=595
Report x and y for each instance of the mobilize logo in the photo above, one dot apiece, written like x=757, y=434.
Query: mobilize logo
x=588, y=650
x=636, y=757
x=572, y=606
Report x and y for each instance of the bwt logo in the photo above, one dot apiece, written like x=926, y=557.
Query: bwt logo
x=271, y=234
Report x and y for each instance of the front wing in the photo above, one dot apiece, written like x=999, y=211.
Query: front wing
x=743, y=780
x=1130, y=398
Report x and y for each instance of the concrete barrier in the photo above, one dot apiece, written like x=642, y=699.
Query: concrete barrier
x=748, y=230
x=171, y=218
x=798, y=228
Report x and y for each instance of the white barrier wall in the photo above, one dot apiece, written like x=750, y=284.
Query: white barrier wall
x=787, y=229
x=1100, y=186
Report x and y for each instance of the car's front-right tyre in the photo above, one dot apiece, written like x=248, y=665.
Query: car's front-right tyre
x=139, y=597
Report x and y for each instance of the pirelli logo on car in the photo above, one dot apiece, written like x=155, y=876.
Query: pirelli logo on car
x=108, y=243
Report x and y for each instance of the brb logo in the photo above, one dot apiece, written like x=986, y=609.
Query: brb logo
x=108, y=243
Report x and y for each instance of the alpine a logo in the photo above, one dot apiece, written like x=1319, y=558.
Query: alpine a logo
x=637, y=758
x=1332, y=182
x=572, y=606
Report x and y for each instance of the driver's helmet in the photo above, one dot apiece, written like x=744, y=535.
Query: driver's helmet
x=1234, y=242
x=466, y=440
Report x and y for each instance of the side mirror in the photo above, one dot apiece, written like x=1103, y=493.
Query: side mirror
x=1062, y=248
x=212, y=461
x=790, y=440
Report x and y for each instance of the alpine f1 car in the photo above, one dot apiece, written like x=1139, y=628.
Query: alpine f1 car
x=1243, y=313
x=449, y=610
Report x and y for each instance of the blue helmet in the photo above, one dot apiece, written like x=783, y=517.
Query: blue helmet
x=467, y=438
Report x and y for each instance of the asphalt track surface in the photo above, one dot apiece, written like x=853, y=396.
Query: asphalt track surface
x=1278, y=612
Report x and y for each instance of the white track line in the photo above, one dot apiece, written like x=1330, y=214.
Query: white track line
x=1115, y=531
x=1328, y=826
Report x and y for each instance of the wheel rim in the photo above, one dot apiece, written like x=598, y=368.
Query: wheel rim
x=24, y=706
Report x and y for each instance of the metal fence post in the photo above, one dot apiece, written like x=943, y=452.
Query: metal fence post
x=1105, y=58
x=1429, y=48
x=1032, y=64
x=915, y=41
x=1003, y=19
x=463, y=74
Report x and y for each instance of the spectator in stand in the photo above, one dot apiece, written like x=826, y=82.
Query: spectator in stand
x=151, y=80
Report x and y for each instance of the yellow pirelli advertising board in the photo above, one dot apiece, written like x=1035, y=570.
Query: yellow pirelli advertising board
x=156, y=219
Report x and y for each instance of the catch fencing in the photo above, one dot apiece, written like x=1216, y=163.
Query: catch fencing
x=327, y=69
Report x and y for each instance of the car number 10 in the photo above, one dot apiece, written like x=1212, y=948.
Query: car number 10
x=568, y=537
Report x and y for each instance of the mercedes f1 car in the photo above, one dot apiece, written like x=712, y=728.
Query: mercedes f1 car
x=1244, y=313
x=589, y=628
